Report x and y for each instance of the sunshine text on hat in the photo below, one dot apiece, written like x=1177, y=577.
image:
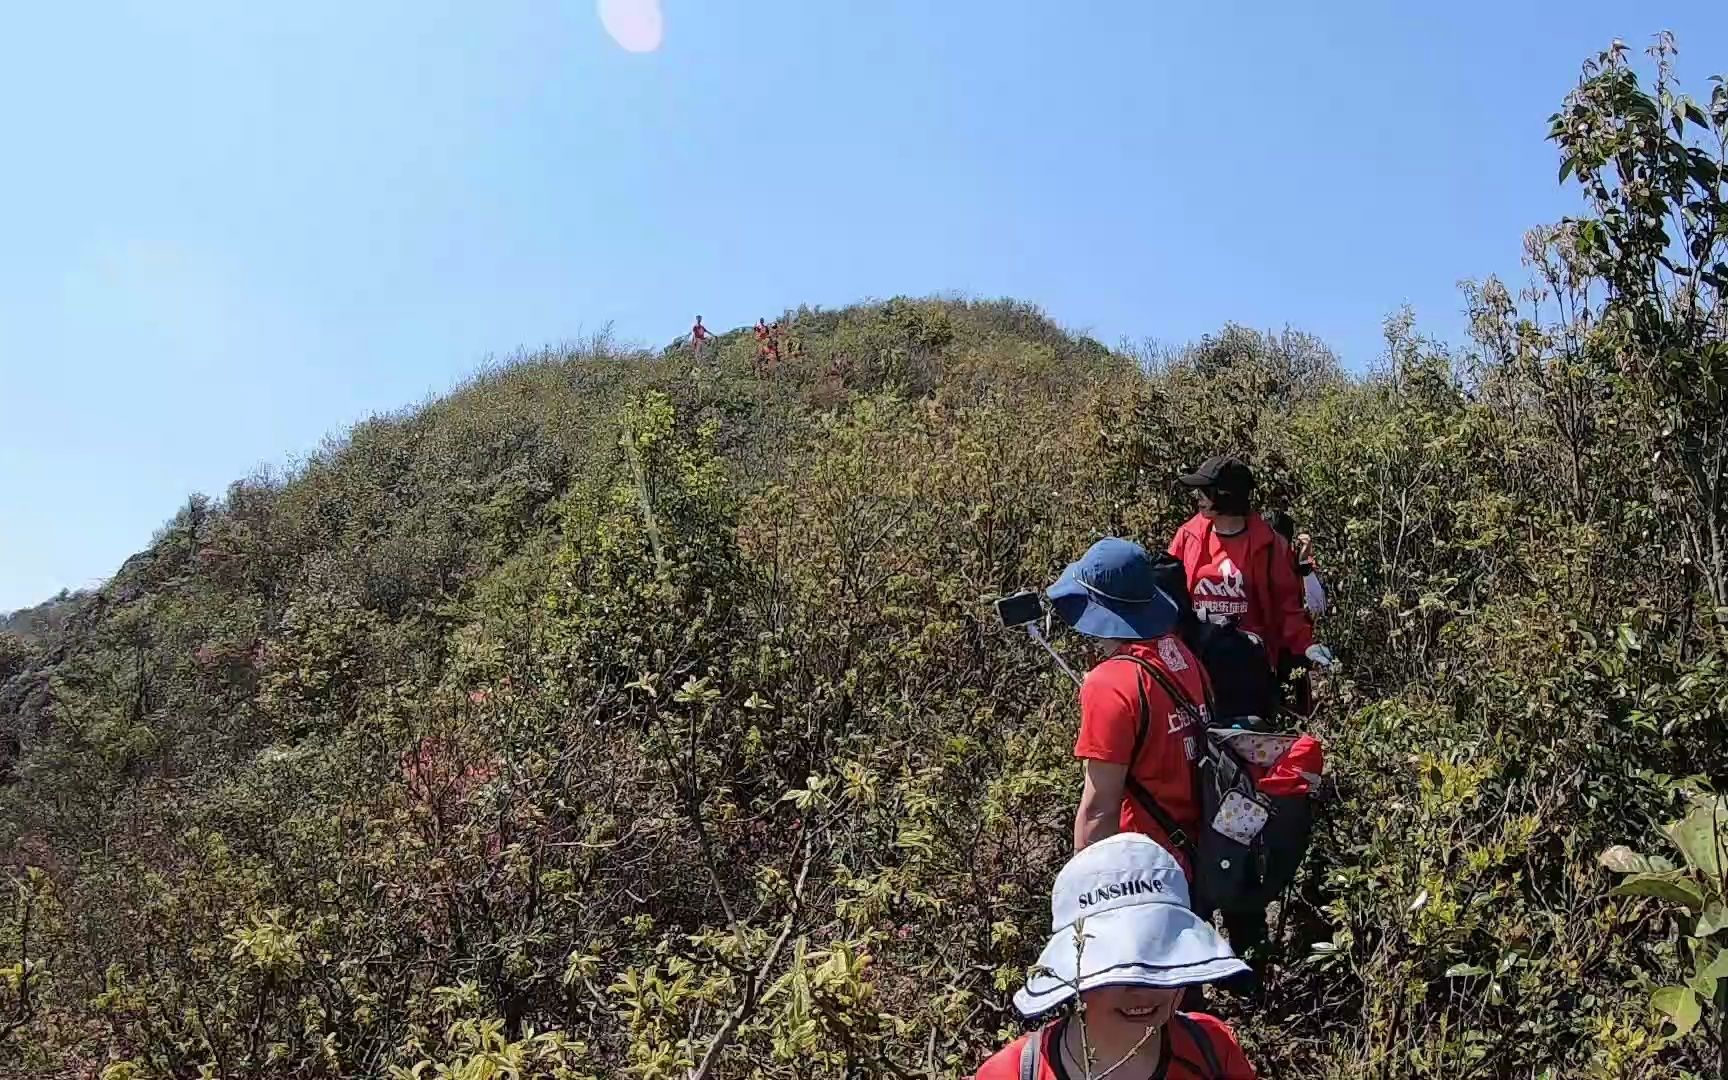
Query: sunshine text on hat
x=1120, y=889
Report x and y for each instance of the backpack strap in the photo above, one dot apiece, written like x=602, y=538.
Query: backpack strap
x=1188, y=705
x=1197, y=1035
x=1030, y=1051
x=1136, y=790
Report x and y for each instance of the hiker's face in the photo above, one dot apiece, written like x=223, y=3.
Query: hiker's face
x=1124, y=1013
x=1203, y=502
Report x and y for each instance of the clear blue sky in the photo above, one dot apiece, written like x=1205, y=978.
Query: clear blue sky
x=232, y=228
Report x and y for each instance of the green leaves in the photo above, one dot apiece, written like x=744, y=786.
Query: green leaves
x=1623, y=860
x=696, y=692
x=1680, y=1006
x=580, y=966
x=1714, y=919
x=1702, y=837
x=1698, y=886
x=1626, y=639
x=1675, y=887
x=812, y=794
x=1716, y=968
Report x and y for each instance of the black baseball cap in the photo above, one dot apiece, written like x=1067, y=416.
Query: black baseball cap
x=1224, y=473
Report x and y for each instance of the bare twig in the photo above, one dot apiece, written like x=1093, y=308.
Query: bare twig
x=753, y=989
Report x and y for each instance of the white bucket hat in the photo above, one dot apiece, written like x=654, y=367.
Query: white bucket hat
x=1128, y=898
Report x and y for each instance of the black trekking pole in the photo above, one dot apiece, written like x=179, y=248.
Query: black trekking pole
x=1038, y=636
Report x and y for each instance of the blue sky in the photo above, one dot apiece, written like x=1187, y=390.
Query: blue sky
x=231, y=229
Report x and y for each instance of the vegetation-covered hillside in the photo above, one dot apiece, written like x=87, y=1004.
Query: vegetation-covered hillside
x=620, y=714
x=42, y=621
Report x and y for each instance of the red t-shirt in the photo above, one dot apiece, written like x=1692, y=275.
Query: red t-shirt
x=1252, y=576
x=1110, y=719
x=699, y=332
x=1181, y=1059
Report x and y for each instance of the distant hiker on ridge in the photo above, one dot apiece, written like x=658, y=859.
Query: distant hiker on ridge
x=699, y=336
x=762, y=341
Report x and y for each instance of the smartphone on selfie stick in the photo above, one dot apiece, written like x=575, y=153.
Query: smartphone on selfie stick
x=1027, y=609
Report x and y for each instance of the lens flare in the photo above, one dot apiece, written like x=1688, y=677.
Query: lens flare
x=634, y=24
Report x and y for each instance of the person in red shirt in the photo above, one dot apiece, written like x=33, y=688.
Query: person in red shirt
x=764, y=339
x=1239, y=568
x=699, y=336
x=1138, y=741
x=1142, y=947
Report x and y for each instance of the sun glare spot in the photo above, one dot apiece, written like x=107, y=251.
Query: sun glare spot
x=634, y=24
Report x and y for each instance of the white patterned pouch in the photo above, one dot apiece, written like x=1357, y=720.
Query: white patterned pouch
x=1240, y=818
x=1256, y=748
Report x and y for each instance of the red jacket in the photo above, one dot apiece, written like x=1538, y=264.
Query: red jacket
x=1182, y=1060
x=1251, y=575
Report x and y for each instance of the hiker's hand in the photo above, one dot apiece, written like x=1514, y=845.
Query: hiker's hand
x=1320, y=656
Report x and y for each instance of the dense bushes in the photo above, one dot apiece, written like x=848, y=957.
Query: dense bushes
x=619, y=713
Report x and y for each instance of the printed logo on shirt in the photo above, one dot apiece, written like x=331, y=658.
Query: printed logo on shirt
x=1221, y=609
x=1183, y=719
x=1228, y=584
x=1171, y=654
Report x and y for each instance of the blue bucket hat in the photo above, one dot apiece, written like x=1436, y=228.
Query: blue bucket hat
x=1110, y=592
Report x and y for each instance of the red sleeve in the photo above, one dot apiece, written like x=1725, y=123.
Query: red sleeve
x=1004, y=1064
x=1230, y=1056
x=1179, y=544
x=1295, y=628
x=1109, y=714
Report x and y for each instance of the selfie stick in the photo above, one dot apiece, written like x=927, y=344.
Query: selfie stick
x=1038, y=636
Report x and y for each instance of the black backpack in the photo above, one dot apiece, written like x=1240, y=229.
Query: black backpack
x=1247, y=870
x=1244, y=686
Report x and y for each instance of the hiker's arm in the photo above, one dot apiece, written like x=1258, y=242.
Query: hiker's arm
x=1314, y=592
x=1100, y=812
x=1296, y=628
